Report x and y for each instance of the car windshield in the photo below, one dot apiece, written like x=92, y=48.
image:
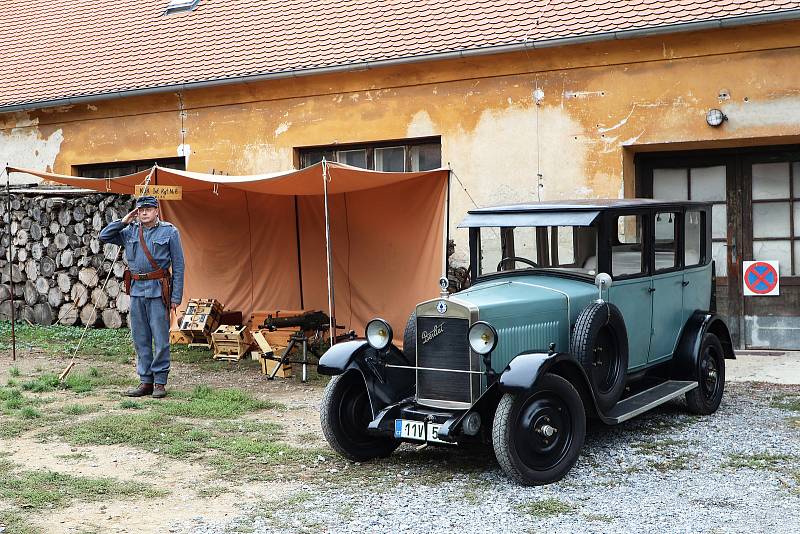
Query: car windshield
x=562, y=248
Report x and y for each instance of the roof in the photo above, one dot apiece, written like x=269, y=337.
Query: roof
x=59, y=52
x=582, y=212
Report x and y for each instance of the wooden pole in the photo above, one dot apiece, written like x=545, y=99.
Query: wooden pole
x=331, y=299
x=10, y=263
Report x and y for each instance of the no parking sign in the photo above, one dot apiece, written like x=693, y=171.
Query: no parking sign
x=761, y=278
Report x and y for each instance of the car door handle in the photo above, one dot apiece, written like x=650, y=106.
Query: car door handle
x=651, y=290
x=685, y=283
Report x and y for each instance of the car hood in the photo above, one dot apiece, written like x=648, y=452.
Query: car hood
x=526, y=295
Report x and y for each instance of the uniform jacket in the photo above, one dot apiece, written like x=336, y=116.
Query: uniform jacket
x=164, y=242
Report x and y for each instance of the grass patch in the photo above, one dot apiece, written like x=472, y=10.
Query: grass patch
x=42, y=383
x=29, y=412
x=148, y=431
x=760, y=461
x=787, y=402
x=16, y=524
x=80, y=409
x=206, y=402
x=47, y=489
x=14, y=371
x=74, y=456
x=105, y=343
x=128, y=404
x=602, y=518
x=13, y=428
x=546, y=508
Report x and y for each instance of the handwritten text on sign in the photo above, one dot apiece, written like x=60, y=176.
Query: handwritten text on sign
x=161, y=192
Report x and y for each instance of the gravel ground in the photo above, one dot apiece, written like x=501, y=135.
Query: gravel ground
x=735, y=471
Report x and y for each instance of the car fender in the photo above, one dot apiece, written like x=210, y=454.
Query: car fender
x=386, y=382
x=524, y=371
x=684, y=362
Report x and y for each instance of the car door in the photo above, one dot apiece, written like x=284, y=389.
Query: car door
x=697, y=274
x=631, y=288
x=667, y=284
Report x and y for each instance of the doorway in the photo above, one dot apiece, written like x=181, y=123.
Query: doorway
x=755, y=216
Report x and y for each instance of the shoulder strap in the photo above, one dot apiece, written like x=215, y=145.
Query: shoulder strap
x=147, y=250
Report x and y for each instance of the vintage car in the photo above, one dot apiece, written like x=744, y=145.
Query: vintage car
x=601, y=309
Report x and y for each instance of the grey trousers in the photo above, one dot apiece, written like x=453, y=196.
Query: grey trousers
x=150, y=331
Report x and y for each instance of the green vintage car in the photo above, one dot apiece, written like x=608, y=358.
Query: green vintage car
x=600, y=309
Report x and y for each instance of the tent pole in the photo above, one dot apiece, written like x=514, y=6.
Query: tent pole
x=10, y=270
x=447, y=227
x=299, y=258
x=331, y=299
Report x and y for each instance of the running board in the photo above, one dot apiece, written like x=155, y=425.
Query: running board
x=648, y=399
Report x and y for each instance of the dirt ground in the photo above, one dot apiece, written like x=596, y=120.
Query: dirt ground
x=193, y=488
x=179, y=463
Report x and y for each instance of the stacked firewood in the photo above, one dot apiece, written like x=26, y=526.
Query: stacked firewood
x=59, y=267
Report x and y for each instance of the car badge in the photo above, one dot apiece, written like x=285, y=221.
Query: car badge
x=441, y=307
x=428, y=336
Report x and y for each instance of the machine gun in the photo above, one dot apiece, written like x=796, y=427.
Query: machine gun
x=314, y=321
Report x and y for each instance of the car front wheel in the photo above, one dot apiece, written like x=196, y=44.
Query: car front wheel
x=345, y=414
x=537, y=436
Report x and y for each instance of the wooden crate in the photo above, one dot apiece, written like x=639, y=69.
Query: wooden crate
x=267, y=366
x=176, y=337
x=201, y=318
x=231, y=342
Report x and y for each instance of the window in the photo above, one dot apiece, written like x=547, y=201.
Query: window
x=693, y=232
x=700, y=183
x=562, y=248
x=176, y=6
x=121, y=168
x=666, y=244
x=776, y=214
x=626, y=253
x=410, y=155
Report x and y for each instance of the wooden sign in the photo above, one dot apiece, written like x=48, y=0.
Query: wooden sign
x=161, y=192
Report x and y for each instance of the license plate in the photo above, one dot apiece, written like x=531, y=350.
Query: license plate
x=417, y=430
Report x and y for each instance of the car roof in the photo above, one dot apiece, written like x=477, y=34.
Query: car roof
x=581, y=212
x=593, y=204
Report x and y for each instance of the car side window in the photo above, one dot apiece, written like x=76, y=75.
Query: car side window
x=626, y=253
x=666, y=240
x=693, y=231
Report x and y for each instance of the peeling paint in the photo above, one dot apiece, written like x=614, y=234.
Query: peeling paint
x=282, y=128
x=26, y=147
x=184, y=151
x=583, y=94
x=776, y=112
x=633, y=139
x=421, y=125
x=263, y=158
x=623, y=122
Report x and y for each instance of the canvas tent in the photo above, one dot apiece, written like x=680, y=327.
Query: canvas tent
x=259, y=242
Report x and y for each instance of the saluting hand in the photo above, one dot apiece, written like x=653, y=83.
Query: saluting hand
x=131, y=216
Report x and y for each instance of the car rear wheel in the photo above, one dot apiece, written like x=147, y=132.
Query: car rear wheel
x=537, y=436
x=345, y=414
x=706, y=398
x=600, y=343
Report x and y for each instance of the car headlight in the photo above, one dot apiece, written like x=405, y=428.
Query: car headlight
x=482, y=337
x=379, y=334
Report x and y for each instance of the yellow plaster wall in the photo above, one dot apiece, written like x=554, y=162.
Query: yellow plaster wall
x=600, y=104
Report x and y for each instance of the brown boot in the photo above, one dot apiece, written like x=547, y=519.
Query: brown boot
x=140, y=391
x=159, y=391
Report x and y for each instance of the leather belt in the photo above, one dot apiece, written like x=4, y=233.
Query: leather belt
x=153, y=275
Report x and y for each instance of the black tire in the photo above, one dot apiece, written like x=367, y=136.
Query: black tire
x=410, y=339
x=600, y=343
x=522, y=449
x=345, y=413
x=706, y=398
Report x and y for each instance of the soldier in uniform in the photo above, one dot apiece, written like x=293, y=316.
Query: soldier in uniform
x=151, y=246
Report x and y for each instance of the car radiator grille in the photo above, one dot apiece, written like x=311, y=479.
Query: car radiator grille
x=447, y=350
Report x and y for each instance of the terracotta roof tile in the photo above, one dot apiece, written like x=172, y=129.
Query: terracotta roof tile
x=53, y=50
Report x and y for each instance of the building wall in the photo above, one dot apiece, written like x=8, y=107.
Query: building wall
x=599, y=105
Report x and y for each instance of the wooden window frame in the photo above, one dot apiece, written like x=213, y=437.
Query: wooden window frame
x=331, y=151
x=178, y=163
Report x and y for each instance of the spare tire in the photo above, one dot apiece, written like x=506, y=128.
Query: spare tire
x=410, y=339
x=600, y=343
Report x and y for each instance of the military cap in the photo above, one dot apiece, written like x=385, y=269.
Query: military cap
x=146, y=202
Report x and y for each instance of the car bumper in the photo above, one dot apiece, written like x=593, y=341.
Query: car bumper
x=446, y=421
